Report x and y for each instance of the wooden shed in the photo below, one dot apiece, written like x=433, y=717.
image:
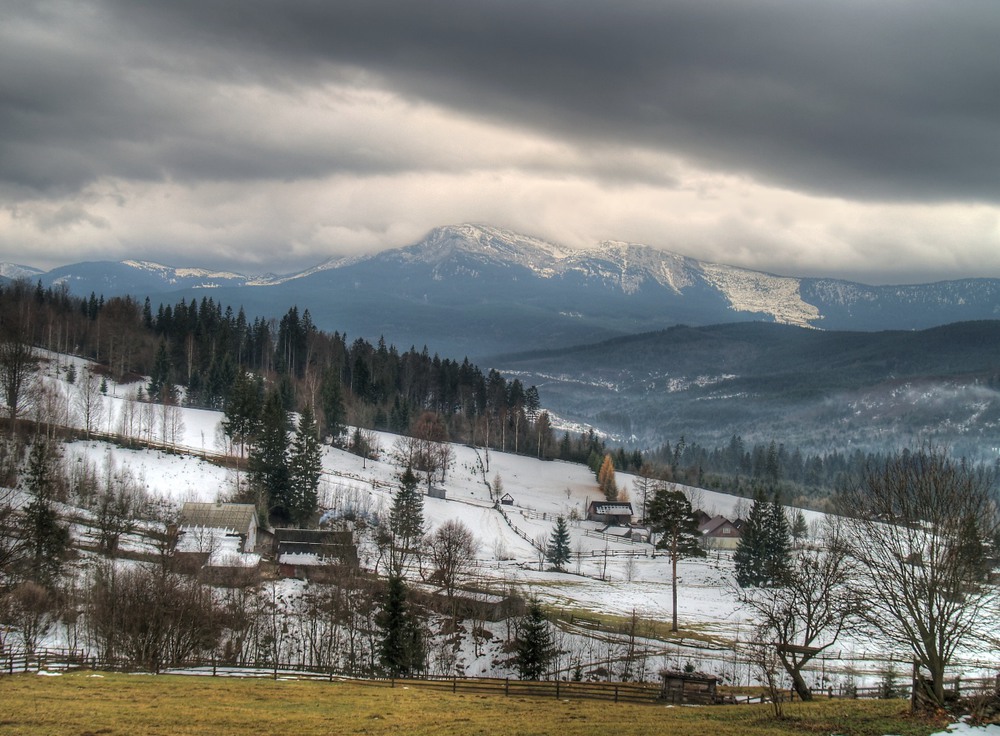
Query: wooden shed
x=688, y=687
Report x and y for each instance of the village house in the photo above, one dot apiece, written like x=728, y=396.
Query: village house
x=721, y=533
x=610, y=512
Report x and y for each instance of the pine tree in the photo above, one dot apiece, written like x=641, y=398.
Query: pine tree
x=534, y=646
x=763, y=555
x=241, y=419
x=800, y=529
x=778, y=543
x=558, y=552
x=269, y=459
x=161, y=371
x=751, y=552
x=48, y=539
x=406, y=521
x=332, y=398
x=304, y=466
x=671, y=516
x=402, y=650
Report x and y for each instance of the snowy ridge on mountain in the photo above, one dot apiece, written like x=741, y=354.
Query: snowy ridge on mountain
x=753, y=291
x=16, y=271
x=336, y=262
x=488, y=244
x=955, y=293
x=169, y=272
x=629, y=265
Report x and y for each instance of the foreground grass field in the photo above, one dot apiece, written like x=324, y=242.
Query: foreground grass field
x=85, y=704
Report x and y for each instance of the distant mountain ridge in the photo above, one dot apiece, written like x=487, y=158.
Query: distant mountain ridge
x=818, y=390
x=479, y=290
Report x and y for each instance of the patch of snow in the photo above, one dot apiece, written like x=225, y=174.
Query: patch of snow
x=752, y=291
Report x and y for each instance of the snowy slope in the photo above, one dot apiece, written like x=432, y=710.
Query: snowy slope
x=600, y=579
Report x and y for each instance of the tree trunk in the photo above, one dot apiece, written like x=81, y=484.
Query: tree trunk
x=794, y=669
x=673, y=585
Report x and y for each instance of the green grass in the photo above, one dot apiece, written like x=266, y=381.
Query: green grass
x=82, y=705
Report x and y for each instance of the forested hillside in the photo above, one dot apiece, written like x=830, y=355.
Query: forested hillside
x=203, y=347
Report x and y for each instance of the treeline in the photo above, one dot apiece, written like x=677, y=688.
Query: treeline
x=800, y=478
x=203, y=347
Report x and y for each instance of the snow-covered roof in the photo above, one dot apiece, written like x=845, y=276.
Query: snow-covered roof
x=611, y=509
x=239, y=516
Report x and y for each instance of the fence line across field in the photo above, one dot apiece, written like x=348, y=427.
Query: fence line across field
x=65, y=660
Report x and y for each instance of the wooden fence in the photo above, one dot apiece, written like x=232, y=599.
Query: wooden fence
x=64, y=660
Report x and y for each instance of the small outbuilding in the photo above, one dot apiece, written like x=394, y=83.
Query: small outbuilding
x=315, y=546
x=507, y=500
x=212, y=522
x=610, y=512
x=688, y=687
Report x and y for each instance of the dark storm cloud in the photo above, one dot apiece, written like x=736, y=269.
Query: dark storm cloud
x=882, y=98
x=892, y=99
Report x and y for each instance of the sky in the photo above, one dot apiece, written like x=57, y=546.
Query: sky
x=856, y=139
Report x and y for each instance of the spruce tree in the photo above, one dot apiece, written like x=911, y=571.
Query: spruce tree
x=778, y=543
x=269, y=459
x=800, y=529
x=534, y=646
x=670, y=515
x=48, y=539
x=304, y=466
x=763, y=555
x=332, y=399
x=402, y=650
x=406, y=521
x=241, y=418
x=750, y=556
x=558, y=552
x=161, y=371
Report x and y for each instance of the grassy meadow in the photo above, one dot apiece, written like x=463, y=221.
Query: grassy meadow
x=85, y=704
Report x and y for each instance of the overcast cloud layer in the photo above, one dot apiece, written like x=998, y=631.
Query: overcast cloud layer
x=808, y=137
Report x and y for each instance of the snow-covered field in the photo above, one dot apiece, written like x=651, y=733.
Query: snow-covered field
x=606, y=576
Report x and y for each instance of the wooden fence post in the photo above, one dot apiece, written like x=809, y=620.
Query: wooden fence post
x=616, y=692
x=506, y=687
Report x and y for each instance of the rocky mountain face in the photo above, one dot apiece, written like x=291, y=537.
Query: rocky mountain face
x=478, y=290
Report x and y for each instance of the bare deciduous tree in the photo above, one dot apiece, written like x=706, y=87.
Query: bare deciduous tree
x=18, y=365
x=918, y=529
x=808, y=612
x=89, y=401
x=453, y=550
x=13, y=545
x=29, y=610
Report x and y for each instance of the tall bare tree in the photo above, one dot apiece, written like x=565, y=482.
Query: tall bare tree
x=453, y=550
x=18, y=363
x=918, y=528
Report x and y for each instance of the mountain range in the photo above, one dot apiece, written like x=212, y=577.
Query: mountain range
x=478, y=290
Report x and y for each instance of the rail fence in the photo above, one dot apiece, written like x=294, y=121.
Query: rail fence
x=66, y=660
